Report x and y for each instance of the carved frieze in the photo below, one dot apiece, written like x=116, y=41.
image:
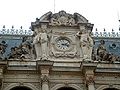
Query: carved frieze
x=60, y=19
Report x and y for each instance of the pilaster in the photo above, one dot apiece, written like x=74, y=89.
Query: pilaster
x=44, y=67
x=88, y=70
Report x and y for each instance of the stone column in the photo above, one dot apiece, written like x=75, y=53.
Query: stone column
x=44, y=66
x=89, y=70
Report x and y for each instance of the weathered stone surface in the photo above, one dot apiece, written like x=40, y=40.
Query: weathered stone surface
x=60, y=54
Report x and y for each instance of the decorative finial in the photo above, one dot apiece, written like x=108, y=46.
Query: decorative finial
x=104, y=29
x=30, y=27
x=96, y=29
x=12, y=26
x=119, y=25
x=21, y=27
x=37, y=19
x=3, y=26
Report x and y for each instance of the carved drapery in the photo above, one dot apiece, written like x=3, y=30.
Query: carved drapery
x=40, y=42
x=86, y=43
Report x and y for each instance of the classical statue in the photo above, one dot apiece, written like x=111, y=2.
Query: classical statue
x=41, y=42
x=36, y=43
x=44, y=44
x=15, y=53
x=101, y=50
x=25, y=48
x=3, y=46
x=86, y=43
x=104, y=55
x=23, y=51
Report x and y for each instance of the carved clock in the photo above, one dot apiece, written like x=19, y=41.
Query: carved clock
x=63, y=44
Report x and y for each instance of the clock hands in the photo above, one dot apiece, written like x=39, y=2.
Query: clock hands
x=63, y=44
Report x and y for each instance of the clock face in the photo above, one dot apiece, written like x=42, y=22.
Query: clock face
x=63, y=44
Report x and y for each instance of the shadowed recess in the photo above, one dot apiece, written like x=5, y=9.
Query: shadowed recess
x=66, y=88
x=20, y=88
x=110, y=89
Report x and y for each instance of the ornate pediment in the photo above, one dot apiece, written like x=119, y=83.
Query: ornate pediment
x=60, y=18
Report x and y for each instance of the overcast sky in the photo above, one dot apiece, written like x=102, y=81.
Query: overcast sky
x=102, y=13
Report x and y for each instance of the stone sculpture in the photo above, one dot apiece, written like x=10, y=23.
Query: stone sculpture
x=3, y=46
x=104, y=55
x=23, y=51
x=86, y=43
x=62, y=18
x=41, y=43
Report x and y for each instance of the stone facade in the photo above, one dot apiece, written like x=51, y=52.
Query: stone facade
x=60, y=55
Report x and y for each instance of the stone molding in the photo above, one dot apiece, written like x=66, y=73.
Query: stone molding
x=18, y=84
x=60, y=19
x=108, y=86
x=3, y=65
x=88, y=70
x=57, y=86
x=44, y=66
